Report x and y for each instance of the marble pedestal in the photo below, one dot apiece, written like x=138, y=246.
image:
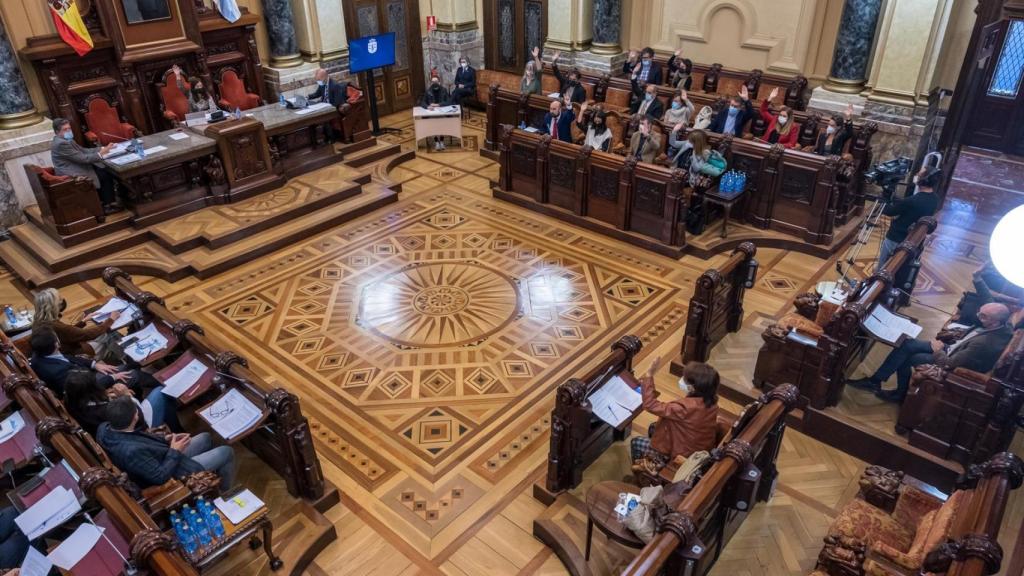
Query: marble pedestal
x=28, y=145
x=289, y=80
x=592, y=63
x=825, y=100
x=442, y=50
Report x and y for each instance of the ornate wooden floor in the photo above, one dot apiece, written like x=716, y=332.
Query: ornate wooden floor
x=425, y=339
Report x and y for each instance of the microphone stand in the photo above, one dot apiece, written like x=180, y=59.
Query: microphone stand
x=129, y=566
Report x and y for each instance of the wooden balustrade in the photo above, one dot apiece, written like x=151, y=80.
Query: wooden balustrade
x=284, y=442
x=149, y=545
x=678, y=544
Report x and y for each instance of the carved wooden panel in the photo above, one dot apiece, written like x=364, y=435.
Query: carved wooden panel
x=604, y=184
x=648, y=196
x=170, y=178
x=749, y=165
x=248, y=157
x=562, y=171
x=797, y=185
x=524, y=160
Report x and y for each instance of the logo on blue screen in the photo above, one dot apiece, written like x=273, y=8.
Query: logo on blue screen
x=371, y=46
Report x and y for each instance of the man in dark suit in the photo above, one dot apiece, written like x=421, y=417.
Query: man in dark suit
x=329, y=90
x=978, y=350
x=70, y=159
x=53, y=368
x=646, y=102
x=732, y=119
x=558, y=122
x=644, y=71
x=465, y=81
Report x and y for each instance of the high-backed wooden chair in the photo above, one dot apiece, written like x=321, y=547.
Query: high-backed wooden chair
x=71, y=205
x=233, y=93
x=173, y=103
x=104, y=124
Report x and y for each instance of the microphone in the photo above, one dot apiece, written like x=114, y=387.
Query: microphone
x=129, y=566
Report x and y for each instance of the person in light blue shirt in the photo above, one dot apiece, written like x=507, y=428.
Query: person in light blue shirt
x=732, y=119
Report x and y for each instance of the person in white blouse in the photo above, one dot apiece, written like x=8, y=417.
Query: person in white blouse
x=598, y=135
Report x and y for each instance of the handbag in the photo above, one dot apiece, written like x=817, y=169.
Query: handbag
x=640, y=520
x=108, y=349
x=715, y=165
x=703, y=118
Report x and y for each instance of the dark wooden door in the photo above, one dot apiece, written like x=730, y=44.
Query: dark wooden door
x=997, y=119
x=397, y=86
x=512, y=29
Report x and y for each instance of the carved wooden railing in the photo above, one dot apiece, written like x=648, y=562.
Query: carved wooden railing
x=716, y=307
x=284, y=442
x=677, y=544
x=820, y=370
x=149, y=545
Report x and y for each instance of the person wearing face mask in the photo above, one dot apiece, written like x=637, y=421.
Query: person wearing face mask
x=49, y=307
x=70, y=159
x=680, y=111
x=645, y=143
x=680, y=71
x=905, y=212
x=644, y=70
x=781, y=127
x=568, y=85
x=336, y=93
x=199, y=100
x=832, y=140
x=558, y=122
x=734, y=118
x=598, y=136
x=646, y=101
x=465, y=81
x=684, y=426
x=435, y=97
x=530, y=82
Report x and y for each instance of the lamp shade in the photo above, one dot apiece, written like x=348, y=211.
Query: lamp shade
x=1006, y=247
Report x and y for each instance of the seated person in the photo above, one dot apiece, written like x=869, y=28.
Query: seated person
x=782, y=128
x=598, y=136
x=329, y=90
x=70, y=159
x=680, y=110
x=53, y=368
x=646, y=101
x=734, y=118
x=645, y=70
x=837, y=132
x=684, y=426
x=199, y=100
x=989, y=286
x=645, y=143
x=465, y=81
x=558, y=122
x=152, y=459
x=978, y=350
x=695, y=156
x=435, y=97
x=679, y=71
x=530, y=82
x=49, y=307
x=87, y=402
x=13, y=543
x=568, y=86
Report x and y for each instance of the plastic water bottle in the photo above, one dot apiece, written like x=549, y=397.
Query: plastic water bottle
x=238, y=113
x=183, y=533
x=281, y=101
x=213, y=520
x=139, y=148
x=743, y=182
x=199, y=527
x=9, y=315
x=522, y=125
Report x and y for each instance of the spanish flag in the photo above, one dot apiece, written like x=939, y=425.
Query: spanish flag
x=70, y=26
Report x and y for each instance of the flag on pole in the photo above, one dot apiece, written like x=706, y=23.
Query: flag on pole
x=228, y=9
x=70, y=26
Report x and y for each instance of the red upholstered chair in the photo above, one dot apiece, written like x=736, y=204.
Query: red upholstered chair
x=173, y=103
x=103, y=123
x=354, y=117
x=233, y=94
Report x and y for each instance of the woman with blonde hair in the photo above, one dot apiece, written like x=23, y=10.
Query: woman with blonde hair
x=782, y=127
x=530, y=82
x=49, y=307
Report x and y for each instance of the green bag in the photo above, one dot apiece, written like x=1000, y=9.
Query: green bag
x=715, y=165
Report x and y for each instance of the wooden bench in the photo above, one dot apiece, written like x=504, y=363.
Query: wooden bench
x=716, y=307
x=818, y=356
x=690, y=538
x=897, y=526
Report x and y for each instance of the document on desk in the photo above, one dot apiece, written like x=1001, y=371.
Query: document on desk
x=35, y=564
x=11, y=426
x=615, y=402
x=889, y=327
x=239, y=507
x=75, y=547
x=125, y=159
x=184, y=379
x=313, y=108
x=147, y=341
x=118, y=149
x=178, y=136
x=127, y=310
x=48, y=513
x=231, y=414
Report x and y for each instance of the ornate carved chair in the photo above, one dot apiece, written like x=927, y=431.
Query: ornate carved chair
x=71, y=205
x=174, y=104
x=233, y=93
x=104, y=124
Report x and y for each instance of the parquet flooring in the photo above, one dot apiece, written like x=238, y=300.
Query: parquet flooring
x=425, y=338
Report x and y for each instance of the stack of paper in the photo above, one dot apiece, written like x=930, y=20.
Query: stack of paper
x=48, y=513
x=184, y=379
x=127, y=311
x=125, y=159
x=10, y=426
x=888, y=327
x=35, y=564
x=313, y=108
x=231, y=414
x=147, y=341
x=615, y=402
x=75, y=547
x=239, y=507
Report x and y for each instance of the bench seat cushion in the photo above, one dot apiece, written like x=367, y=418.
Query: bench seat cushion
x=864, y=522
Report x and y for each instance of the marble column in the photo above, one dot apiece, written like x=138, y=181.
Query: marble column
x=280, y=21
x=457, y=35
x=330, y=27
x=853, y=46
x=607, y=27
x=16, y=108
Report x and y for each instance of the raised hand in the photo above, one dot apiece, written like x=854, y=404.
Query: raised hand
x=849, y=111
x=653, y=369
x=555, y=56
x=775, y=92
x=683, y=95
x=744, y=93
x=632, y=55
x=535, y=52
x=636, y=69
x=176, y=69
x=679, y=53
x=679, y=126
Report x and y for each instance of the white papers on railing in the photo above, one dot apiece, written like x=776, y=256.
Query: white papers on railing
x=615, y=402
x=10, y=426
x=147, y=341
x=75, y=547
x=554, y=95
x=889, y=327
x=48, y=513
x=231, y=414
x=35, y=564
x=184, y=379
x=126, y=309
x=239, y=507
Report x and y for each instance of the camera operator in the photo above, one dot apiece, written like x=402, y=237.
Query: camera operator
x=908, y=210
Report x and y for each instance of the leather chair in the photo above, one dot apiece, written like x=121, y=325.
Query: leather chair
x=71, y=205
x=104, y=124
x=354, y=115
x=173, y=103
x=233, y=93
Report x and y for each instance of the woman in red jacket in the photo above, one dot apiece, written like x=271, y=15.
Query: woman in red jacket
x=782, y=127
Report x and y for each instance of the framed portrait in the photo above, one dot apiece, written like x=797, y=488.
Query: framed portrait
x=141, y=11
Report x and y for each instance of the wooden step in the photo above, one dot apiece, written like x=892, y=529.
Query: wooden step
x=348, y=149
x=378, y=152
x=117, y=221
x=57, y=258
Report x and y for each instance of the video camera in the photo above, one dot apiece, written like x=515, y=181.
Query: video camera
x=887, y=175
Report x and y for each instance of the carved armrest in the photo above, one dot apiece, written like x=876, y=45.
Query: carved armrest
x=170, y=115
x=92, y=138
x=127, y=128
x=884, y=559
x=224, y=104
x=971, y=375
x=842, y=556
x=880, y=487
x=913, y=503
x=166, y=497
x=205, y=484
x=806, y=304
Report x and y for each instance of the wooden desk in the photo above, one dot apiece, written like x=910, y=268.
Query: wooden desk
x=245, y=152
x=443, y=121
x=233, y=535
x=602, y=498
x=726, y=202
x=169, y=182
x=299, y=140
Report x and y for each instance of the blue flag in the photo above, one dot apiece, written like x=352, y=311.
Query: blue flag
x=228, y=9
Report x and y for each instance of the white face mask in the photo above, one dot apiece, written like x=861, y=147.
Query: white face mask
x=783, y=120
x=464, y=64
x=830, y=130
x=915, y=178
x=684, y=387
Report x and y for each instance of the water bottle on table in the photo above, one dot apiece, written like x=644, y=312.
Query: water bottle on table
x=184, y=534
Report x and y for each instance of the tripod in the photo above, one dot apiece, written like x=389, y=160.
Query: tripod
x=844, y=266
